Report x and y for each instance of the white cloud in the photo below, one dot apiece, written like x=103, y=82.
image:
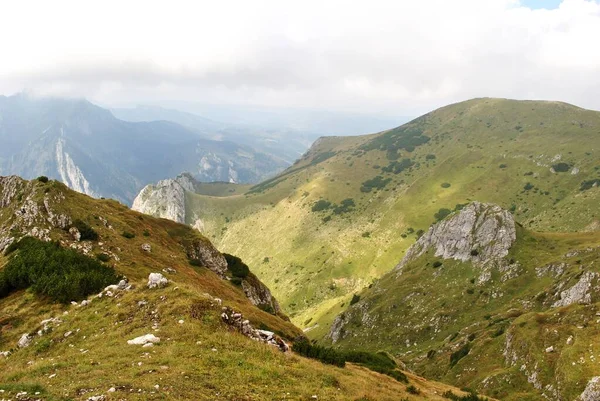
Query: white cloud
x=402, y=57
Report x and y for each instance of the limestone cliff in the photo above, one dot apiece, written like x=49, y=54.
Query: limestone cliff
x=166, y=199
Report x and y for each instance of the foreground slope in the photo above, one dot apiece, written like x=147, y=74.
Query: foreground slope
x=346, y=212
x=80, y=351
x=481, y=302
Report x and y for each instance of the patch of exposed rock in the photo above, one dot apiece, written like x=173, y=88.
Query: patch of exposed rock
x=579, y=293
x=207, y=256
x=481, y=233
x=592, y=390
x=166, y=199
x=243, y=326
x=259, y=294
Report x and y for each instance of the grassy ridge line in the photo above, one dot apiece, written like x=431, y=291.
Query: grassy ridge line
x=470, y=142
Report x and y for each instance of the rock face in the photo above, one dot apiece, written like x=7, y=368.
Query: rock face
x=592, y=390
x=208, y=256
x=579, y=293
x=165, y=199
x=259, y=294
x=243, y=326
x=480, y=233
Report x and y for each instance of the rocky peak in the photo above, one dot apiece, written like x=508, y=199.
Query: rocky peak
x=166, y=199
x=481, y=233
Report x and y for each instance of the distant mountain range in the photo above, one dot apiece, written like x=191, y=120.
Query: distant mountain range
x=92, y=151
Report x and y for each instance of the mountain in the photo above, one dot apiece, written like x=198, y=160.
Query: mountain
x=100, y=302
x=95, y=153
x=284, y=134
x=482, y=302
x=342, y=217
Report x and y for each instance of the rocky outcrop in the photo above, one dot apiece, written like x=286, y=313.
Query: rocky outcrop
x=480, y=233
x=578, y=293
x=259, y=294
x=592, y=390
x=208, y=256
x=165, y=199
x=236, y=321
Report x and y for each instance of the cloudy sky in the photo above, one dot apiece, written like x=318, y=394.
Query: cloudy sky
x=394, y=57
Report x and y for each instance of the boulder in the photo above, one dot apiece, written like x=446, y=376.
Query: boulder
x=146, y=247
x=157, y=280
x=75, y=234
x=592, y=390
x=142, y=340
x=25, y=341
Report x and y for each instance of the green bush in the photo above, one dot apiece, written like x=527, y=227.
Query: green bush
x=324, y=354
x=86, y=231
x=128, y=235
x=344, y=207
x=412, y=389
x=103, y=257
x=445, y=185
x=375, y=183
x=397, y=167
x=528, y=186
x=42, y=178
x=321, y=204
x=470, y=397
x=62, y=274
x=561, y=167
x=430, y=157
x=437, y=263
x=442, y=213
x=588, y=184
x=355, y=299
x=236, y=266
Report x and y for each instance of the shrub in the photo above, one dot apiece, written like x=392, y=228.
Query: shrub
x=459, y=354
x=445, y=185
x=442, y=213
x=195, y=262
x=397, y=167
x=470, y=397
x=128, y=235
x=430, y=157
x=588, y=184
x=561, y=167
x=474, y=252
x=355, y=299
x=42, y=178
x=419, y=233
x=375, y=183
x=86, y=231
x=344, y=207
x=437, y=263
x=146, y=233
x=103, y=257
x=528, y=186
x=236, y=266
x=237, y=281
x=366, y=234
x=62, y=274
x=324, y=354
x=412, y=389
x=321, y=205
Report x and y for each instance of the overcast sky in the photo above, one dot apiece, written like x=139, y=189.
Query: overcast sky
x=394, y=57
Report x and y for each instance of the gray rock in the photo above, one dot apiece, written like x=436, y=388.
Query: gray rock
x=204, y=252
x=166, y=199
x=592, y=390
x=25, y=341
x=485, y=228
x=75, y=234
x=579, y=293
x=259, y=294
x=157, y=280
x=146, y=247
x=145, y=339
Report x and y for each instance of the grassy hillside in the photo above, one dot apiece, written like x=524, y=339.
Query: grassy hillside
x=345, y=213
x=84, y=352
x=507, y=337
